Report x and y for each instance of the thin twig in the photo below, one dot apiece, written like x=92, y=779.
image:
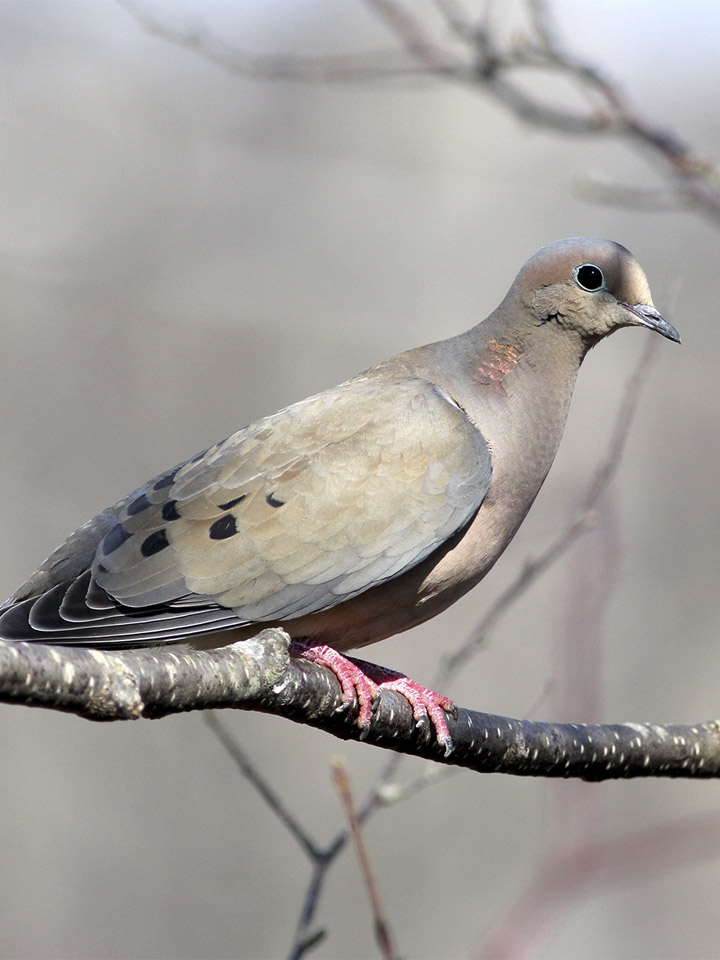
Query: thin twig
x=383, y=794
x=250, y=772
x=455, y=17
x=474, y=58
x=419, y=41
x=341, y=779
x=654, y=200
x=347, y=67
x=305, y=937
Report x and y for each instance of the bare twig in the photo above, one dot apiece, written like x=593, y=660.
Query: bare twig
x=695, y=180
x=635, y=198
x=382, y=795
x=343, y=68
x=455, y=17
x=248, y=770
x=341, y=779
x=420, y=42
x=476, y=58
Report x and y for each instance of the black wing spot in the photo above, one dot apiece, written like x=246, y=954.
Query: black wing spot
x=232, y=503
x=138, y=505
x=273, y=501
x=166, y=481
x=223, y=528
x=170, y=511
x=153, y=544
x=116, y=538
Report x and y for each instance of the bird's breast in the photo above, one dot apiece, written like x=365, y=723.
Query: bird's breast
x=522, y=424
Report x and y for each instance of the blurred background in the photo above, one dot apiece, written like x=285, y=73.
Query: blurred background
x=184, y=250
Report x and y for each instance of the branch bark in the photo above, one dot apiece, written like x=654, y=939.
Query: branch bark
x=259, y=674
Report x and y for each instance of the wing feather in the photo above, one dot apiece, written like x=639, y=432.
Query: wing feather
x=292, y=515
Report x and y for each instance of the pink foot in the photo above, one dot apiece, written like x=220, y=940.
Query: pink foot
x=353, y=679
x=358, y=677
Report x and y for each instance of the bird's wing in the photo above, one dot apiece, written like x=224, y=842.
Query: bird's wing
x=294, y=514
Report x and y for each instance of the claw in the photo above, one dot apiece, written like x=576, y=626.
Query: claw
x=353, y=680
x=366, y=680
x=426, y=703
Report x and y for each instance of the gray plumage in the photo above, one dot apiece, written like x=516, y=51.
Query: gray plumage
x=359, y=512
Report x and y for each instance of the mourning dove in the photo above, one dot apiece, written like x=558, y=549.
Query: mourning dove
x=357, y=513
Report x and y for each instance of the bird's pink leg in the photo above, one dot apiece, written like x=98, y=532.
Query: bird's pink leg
x=365, y=680
x=353, y=680
x=423, y=701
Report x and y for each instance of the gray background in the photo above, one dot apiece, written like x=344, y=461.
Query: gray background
x=183, y=251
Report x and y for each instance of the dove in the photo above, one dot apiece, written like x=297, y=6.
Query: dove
x=357, y=513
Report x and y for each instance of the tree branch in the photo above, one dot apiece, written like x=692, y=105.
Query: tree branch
x=470, y=52
x=259, y=674
x=383, y=935
x=346, y=67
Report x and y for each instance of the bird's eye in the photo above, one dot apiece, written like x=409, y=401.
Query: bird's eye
x=589, y=277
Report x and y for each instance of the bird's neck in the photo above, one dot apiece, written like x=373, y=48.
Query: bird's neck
x=494, y=367
x=516, y=385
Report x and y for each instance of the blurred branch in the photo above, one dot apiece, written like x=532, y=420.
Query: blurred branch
x=251, y=773
x=468, y=50
x=585, y=868
x=259, y=674
x=495, y=68
x=344, y=67
x=341, y=779
x=635, y=198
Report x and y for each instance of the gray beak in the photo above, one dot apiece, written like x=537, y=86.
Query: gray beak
x=652, y=318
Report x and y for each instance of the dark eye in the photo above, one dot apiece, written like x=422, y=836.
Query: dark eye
x=590, y=277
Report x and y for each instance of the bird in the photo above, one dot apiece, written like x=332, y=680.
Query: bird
x=359, y=512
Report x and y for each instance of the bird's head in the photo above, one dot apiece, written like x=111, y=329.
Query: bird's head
x=590, y=287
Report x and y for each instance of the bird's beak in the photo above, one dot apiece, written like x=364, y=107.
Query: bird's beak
x=652, y=318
